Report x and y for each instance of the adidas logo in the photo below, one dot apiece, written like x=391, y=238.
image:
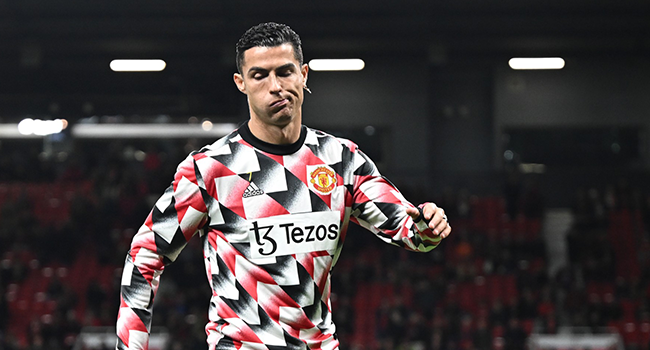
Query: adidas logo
x=252, y=190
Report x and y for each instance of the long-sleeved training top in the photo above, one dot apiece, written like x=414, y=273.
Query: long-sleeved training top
x=272, y=220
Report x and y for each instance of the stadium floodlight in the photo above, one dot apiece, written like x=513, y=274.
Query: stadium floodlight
x=347, y=64
x=137, y=65
x=37, y=127
x=534, y=63
x=125, y=131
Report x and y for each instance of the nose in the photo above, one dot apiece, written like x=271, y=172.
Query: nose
x=275, y=83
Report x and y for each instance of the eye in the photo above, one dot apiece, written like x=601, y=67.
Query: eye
x=259, y=75
x=285, y=72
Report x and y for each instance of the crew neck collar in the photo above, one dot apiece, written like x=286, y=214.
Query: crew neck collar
x=277, y=149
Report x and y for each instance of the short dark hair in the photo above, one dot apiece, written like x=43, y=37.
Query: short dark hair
x=268, y=35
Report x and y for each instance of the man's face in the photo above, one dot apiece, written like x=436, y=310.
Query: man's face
x=273, y=80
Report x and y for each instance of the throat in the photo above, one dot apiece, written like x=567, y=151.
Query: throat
x=273, y=148
x=275, y=134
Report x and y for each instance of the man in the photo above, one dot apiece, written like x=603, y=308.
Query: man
x=271, y=202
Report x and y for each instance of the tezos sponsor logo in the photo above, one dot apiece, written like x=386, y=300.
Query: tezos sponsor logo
x=294, y=233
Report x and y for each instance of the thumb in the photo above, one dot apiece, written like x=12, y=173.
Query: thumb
x=412, y=212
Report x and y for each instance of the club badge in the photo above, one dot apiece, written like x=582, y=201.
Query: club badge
x=322, y=179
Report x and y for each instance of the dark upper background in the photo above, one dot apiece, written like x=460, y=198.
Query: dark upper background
x=58, y=51
x=436, y=73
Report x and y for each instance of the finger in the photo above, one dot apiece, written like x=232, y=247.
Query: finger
x=444, y=233
x=440, y=227
x=419, y=217
x=430, y=210
x=438, y=222
x=412, y=212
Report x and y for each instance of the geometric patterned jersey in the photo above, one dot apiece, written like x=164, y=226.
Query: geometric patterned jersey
x=272, y=220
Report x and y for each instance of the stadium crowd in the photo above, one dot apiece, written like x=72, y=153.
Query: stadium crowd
x=68, y=217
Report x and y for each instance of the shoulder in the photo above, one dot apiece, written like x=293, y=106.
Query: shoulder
x=219, y=147
x=208, y=155
x=321, y=138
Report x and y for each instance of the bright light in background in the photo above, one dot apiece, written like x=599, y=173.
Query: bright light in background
x=348, y=64
x=34, y=128
x=523, y=63
x=206, y=125
x=89, y=131
x=141, y=65
x=532, y=168
x=29, y=126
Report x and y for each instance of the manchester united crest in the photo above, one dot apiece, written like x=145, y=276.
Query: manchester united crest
x=322, y=179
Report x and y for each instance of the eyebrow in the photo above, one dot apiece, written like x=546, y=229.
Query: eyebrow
x=260, y=69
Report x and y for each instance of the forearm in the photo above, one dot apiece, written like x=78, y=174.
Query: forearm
x=400, y=230
x=381, y=208
x=140, y=280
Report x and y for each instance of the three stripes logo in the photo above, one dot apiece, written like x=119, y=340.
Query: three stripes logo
x=252, y=189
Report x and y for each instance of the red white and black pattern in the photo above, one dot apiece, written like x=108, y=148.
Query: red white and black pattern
x=272, y=220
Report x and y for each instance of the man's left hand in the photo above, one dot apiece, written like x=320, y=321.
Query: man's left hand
x=435, y=216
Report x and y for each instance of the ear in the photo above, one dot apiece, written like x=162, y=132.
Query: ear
x=304, y=70
x=239, y=81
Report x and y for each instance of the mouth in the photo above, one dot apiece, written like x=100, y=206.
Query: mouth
x=281, y=103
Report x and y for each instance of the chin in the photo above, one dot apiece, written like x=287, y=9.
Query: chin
x=284, y=118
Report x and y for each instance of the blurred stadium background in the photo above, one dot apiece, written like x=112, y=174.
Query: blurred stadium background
x=544, y=173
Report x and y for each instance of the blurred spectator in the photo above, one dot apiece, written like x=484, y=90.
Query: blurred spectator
x=482, y=338
x=515, y=336
x=532, y=199
x=4, y=310
x=512, y=192
x=527, y=305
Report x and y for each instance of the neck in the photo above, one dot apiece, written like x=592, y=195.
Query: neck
x=275, y=134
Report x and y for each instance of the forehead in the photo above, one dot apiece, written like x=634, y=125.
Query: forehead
x=269, y=57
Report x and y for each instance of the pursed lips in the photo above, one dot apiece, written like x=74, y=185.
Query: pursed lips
x=279, y=103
